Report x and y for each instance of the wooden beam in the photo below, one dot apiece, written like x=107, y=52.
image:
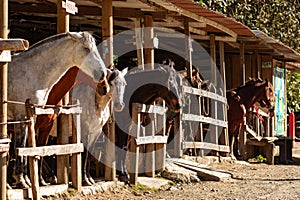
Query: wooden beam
x=148, y=40
x=186, y=13
x=51, y=150
x=108, y=52
x=188, y=47
x=206, y=145
x=3, y=97
x=14, y=44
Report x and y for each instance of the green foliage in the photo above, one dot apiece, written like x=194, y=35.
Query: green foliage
x=293, y=91
x=279, y=19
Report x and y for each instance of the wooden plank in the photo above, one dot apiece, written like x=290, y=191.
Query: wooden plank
x=149, y=108
x=20, y=194
x=206, y=174
x=14, y=44
x=59, y=110
x=205, y=145
x=76, y=157
x=5, y=140
x=201, y=118
x=5, y=56
x=51, y=150
x=33, y=160
x=4, y=147
x=204, y=93
x=148, y=42
x=152, y=140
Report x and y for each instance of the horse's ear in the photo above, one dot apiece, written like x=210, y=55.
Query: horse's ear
x=74, y=35
x=124, y=71
x=113, y=75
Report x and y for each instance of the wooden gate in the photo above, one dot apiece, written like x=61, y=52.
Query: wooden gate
x=211, y=134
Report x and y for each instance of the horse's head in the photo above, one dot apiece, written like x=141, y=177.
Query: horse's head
x=87, y=56
x=118, y=83
x=267, y=98
x=175, y=97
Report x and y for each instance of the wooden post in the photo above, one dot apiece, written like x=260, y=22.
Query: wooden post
x=178, y=134
x=107, y=46
x=64, y=125
x=33, y=160
x=149, y=64
x=76, y=157
x=134, y=148
x=139, y=43
x=224, y=106
x=214, y=128
x=161, y=149
x=188, y=48
x=3, y=97
x=242, y=61
x=148, y=39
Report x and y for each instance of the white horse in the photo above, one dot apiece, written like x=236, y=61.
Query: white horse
x=97, y=113
x=48, y=70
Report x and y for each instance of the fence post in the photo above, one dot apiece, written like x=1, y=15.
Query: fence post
x=292, y=123
x=33, y=160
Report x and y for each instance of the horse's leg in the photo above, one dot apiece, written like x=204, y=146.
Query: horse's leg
x=85, y=180
x=121, y=144
x=20, y=141
x=93, y=138
x=44, y=124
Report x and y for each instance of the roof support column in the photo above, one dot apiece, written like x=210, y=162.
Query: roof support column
x=188, y=48
x=148, y=39
x=242, y=61
x=107, y=49
x=3, y=97
x=64, y=124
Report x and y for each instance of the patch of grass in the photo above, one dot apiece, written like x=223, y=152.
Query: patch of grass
x=72, y=192
x=258, y=158
x=140, y=188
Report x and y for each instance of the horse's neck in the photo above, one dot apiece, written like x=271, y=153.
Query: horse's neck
x=57, y=52
x=249, y=96
x=103, y=101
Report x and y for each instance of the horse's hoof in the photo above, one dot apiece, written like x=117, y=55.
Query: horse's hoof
x=86, y=182
x=91, y=180
x=8, y=186
x=27, y=180
x=42, y=182
x=124, y=178
x=20, y=182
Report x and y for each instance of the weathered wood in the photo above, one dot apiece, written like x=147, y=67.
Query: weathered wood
x=149, y=153
x=13, y=44
x=76, y=157
x=205, y=173
x=58, y=110
x=188, y=47
x=204, y=93
x=178, y=134
x=201, y=118
x=139, y=42
x=4, y=148
x=205, y=145
x=33, y=160
x=51, y=150
x=20, y=194
x=107, y=46
x=152, y=140
x=148, y=42
x=3, y=97
x=149, y=108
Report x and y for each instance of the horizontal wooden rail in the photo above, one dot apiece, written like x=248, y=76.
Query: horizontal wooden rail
x=206, y=145
x=59, y=110
x=204, y=93
x=201, y=118
x=51, y=150
x=154, y=109
x=152, y=140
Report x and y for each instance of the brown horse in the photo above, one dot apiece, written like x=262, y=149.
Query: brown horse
x=241, y=99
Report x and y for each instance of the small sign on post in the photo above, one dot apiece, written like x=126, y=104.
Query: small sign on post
x=70, y=7
x=5, y=56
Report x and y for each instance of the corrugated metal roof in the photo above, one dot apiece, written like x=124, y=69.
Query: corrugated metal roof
x=230, y=23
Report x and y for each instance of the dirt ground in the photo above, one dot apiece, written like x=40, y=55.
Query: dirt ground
x=249, y=181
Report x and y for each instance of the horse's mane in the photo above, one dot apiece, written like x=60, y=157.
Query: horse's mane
x=250, y=82
x=47, y=40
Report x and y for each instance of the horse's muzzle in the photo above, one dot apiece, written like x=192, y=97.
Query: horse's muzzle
x=118, y=107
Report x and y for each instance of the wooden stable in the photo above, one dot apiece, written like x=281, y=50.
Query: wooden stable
x=35, y=152
x=235, y=50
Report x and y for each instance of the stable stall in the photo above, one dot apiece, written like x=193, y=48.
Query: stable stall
x=153, y=30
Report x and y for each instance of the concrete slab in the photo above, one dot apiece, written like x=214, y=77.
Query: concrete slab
x=153, y=182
